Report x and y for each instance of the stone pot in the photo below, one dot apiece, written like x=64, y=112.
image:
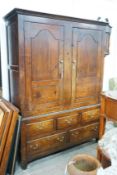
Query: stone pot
x=83, y=164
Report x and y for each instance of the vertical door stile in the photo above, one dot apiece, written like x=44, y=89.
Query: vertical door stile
x=101, y=62
x=67, y=64
x=28, y=71
x=74, y=62
x=61, y=69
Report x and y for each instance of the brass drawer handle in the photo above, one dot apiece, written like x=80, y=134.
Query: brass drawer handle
x=61, y=139
x=75, y=134
x=91, y=116
x=92, y=113
x=34, y=147
x=95, y=129
x=69, y=121
x=40, y=126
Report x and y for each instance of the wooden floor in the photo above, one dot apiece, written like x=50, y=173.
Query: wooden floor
x=55, y=164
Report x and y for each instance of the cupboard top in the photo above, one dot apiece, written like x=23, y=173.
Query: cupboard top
x=17, y=11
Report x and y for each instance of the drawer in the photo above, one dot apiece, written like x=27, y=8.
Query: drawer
x=83, y=134
x=68, y=121
x=46, y=143
x=91, y=115
x=34, y=130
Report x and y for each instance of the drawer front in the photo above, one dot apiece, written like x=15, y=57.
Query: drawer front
x=34, y=130
x=46, y=143
x=68, y=121
x=84, y=133
x=90, y=115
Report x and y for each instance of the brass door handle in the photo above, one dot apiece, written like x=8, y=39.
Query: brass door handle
x=61, y=62
x=74, y=61
x=74, y=64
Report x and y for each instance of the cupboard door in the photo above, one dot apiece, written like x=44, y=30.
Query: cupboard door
x=44, y=64
x=86, y=65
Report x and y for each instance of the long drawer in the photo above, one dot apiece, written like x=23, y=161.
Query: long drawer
x=46, y=143
x=85, y=133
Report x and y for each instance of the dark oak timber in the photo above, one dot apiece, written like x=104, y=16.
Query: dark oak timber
x=55, y=66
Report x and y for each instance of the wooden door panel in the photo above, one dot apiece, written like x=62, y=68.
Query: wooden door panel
x=86, y=62
x=45, y=93
x=45, y=58
x=85, y=87
x=44, y=64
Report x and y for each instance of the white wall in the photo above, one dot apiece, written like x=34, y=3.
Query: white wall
x=90, y=9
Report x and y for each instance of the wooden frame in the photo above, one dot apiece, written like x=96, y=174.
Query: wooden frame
x=109, y=112
x=8, y=122
x=14, y=149
x=108, y=109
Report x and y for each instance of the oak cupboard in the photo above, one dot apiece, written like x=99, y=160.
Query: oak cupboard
x=55, y=67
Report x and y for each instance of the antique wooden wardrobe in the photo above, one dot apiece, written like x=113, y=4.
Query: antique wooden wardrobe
x=55, y=66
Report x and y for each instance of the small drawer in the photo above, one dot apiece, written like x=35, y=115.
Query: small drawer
x=91, y=115
x=34, y=130
x=46, y=143
x=83, y=134
x=68, y=121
